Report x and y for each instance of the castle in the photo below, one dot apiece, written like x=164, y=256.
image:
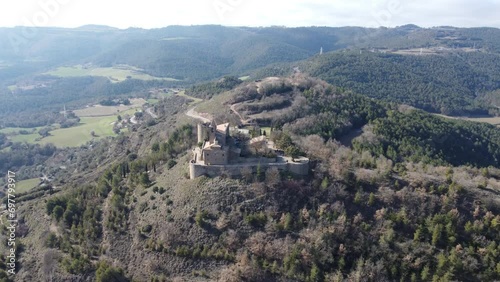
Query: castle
x=213, y=142
x=217, y=152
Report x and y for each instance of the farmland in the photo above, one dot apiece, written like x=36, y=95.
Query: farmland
x=98, y=110
x=114, y=74
x=79, y=135
x=101, y=125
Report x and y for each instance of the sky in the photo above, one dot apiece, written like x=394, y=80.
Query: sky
x=156, y=13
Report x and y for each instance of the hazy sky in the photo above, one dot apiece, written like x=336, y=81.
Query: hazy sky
x=156, y=13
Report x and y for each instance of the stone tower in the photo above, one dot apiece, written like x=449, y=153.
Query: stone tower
x=202, y=132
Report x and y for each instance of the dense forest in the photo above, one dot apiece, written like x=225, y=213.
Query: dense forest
x=447, y=84
x=210, y=89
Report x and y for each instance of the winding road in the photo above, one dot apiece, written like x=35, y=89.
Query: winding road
x=149, y=111
x=192, y=113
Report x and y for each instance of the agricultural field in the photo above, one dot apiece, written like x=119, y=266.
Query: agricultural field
x=114, y=74
x=99, y=111
x=102, y=126
x=79, y=135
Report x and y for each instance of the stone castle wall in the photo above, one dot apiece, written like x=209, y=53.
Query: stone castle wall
x=197, y=170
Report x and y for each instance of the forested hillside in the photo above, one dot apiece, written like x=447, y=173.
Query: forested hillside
x=399, y=133
x=448, y=84
x=373, y=212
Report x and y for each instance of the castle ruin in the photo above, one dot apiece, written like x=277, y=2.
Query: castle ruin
x=217, y=152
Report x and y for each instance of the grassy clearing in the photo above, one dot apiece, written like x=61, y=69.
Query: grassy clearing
x=14, y=136
x=213, y=105
x=244, y=78
x=26, y=185
x=28, y=138
x=195, y=100
x=153, y=101
x=114, y=74
x=491, y=120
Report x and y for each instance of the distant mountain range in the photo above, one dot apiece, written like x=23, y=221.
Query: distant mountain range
x=197, y=53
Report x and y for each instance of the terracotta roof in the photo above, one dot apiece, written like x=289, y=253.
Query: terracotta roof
x=223, y=127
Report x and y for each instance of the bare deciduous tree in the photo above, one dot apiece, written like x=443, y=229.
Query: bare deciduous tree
x=273, y=176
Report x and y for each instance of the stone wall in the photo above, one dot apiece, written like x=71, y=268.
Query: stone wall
x=197, y=170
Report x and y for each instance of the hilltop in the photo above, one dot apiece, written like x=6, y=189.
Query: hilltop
x=394, y=201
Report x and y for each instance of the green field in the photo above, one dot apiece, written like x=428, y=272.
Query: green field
x=102, y=111
x=114, y=74
x=73, y=136
x=27, y=185
x=29, y=138
x=244, y=78
x=80, y=134
x=14, y=135
x=153, y=101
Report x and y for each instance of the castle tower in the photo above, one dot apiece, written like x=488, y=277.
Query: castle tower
x=201, y=133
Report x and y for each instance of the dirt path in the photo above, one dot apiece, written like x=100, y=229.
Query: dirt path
x=243, y=121
x=192, y=113
x=149, y=111
x=233, y=108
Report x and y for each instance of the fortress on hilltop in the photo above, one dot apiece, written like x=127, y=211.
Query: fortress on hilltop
x=218, y=152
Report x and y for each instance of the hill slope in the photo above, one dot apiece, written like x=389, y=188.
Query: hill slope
x=358, y=215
